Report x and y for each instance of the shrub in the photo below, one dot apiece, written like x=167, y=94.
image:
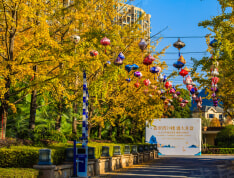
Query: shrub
x=26, y=157
x=225, y=138
x=218, y=151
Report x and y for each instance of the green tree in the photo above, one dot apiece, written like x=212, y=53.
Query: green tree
x=222, y=52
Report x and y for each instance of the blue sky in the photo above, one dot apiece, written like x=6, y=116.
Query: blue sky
x=182, y=18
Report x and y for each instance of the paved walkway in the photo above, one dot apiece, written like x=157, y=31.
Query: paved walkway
x=174, y=166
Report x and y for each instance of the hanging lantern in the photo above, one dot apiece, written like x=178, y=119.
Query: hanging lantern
x=215, y=80
x=75, y=38
x=153, y=70
x=128, y=68
x=160, y=78
x=194, y=96
x=121, y=56
x=168, y=84
x=146, y=82
x=159, y=92
x=137, y=84
x=192, y=91
x=128, y=80
x=215, y=90
x=172, y=90
x=179, y=44
x=185, y=101
x=142, y=45
x=164, y=78
x=182, y=105
x=118, y=61
x=181, y=59
x=158, y=69
x=153, y=87
x=183, y=72
x=188, y=80
x=178, y=93
x=163, y=91
x=163, y=98
x=107, y=64
x=178, y=65
x=138, y=74
x=187, y=69
x=215, y=72
x=175, y=96
x=93, y=53
x=189, y=87
x=148, y=60
x=105, y=42
x=213, y=43
x=135, y=67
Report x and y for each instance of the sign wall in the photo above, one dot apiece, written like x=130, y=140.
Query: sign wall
x=175, y=136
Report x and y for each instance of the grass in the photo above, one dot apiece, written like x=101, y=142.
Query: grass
x=18, y=172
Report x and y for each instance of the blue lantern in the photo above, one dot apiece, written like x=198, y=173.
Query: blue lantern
x=121, y=56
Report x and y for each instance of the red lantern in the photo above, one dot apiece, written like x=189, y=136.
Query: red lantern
x=168, y=84
x=137, y=84
x=189, y=87
x=147, y=82
x=183, y=72
x=215, y=80
x=182, y=104
x=148, y=60
x=93, y=53
x=180, y=99
x=105, y=42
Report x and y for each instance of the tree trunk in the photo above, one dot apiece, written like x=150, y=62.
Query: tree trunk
x=74, y=119
x=123, y=130
x=33, y=109
x=99, y=132
x=110, y=131
x=33, y=105
x=4, y=114
x=59, y=117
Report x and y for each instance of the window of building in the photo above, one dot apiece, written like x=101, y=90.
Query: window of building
x=211, y=116
x=128, y=19
x=220, y=116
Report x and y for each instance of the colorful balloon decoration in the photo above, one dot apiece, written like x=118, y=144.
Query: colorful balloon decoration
x=142, y=45
x=147, y=82
x=138, y=74
x=105, y=42
x=118, y=61
x=214, y=80
x=213, y=43
x=75, y=38
x=179, y=45
x=168, y=85
x=137, y=84
x=178, y=65
x=93, y=53
x=183, y=73
x=121, y=56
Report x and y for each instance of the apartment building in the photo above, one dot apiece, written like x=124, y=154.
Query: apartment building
x=129, y=14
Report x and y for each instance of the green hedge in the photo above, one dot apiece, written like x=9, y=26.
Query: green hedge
x=18, y=173
x=26, y=157
x=218, y=151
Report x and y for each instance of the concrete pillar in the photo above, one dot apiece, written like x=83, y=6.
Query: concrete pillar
x=45, y=171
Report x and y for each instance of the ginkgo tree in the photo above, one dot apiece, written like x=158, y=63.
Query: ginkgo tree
x=38, y=57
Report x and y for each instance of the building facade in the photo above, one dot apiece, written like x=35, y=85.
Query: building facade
x=129, y=14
